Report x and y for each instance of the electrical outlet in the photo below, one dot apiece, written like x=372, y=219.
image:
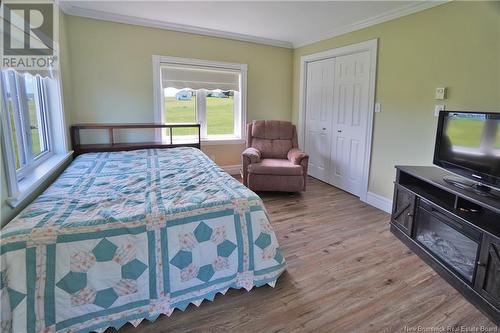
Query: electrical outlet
x=212, y=157
x=377, y=107
x=437, y=108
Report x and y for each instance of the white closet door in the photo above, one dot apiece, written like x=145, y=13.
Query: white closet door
x=350, y=110
x=319, y=105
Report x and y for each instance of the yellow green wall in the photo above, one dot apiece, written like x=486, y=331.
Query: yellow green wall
x=111, y=73
x=456, y=45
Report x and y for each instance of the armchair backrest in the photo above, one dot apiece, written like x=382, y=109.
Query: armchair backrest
x=272, y=138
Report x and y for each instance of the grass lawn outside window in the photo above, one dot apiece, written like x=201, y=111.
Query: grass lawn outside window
x=220, y=114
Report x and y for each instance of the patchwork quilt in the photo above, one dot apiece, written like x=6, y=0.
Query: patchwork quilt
x=125, y=236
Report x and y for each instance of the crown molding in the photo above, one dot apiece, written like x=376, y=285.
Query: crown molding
x=68, y=8
x=71, y=9
x=384, y=17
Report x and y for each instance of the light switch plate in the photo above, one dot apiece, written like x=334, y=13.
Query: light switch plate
x=440, y=93
x=377, y=107
x=438, y=108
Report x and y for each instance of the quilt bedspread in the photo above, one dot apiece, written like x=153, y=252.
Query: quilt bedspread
x=125, y=236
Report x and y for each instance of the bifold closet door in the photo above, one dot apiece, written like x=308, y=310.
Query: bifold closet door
x=319, y=111
x=350, y=117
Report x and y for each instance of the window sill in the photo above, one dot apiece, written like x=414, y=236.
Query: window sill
x=213, y=142
x=32, y=181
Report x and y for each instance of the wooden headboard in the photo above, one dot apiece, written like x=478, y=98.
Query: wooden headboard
x=80, y=148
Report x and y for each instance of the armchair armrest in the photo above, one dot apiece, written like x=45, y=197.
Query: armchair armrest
x=252, y=154
x=249, y=156
x=296, y=156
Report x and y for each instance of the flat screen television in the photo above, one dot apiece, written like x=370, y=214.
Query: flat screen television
x=468, y=144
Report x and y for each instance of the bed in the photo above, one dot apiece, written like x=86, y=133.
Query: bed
x=126, y=236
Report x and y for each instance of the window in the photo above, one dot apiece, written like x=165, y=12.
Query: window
x=181, y=106
x=33, y=129
x=220, y=113
x=198, y=91
x=26, y=97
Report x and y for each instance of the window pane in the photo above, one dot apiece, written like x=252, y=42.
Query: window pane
x=36, y=123
x=220, y=113
x=10, y=111
x=180, y=107
x=14, y=137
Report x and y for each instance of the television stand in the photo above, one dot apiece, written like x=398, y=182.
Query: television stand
x=470, y=185
x=454, y=230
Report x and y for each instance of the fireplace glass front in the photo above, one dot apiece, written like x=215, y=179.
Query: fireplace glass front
x=456, y=249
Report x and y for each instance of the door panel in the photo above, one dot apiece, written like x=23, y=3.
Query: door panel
x=350, y=107
x=319, y=99
x=403, y=209
x=488, y=275
x=338, y=168
x=341, y=103
x=353, y=158
x=356, y=111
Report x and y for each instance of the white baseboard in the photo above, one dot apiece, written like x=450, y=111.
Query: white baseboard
x=379, y=202
x=232, y=169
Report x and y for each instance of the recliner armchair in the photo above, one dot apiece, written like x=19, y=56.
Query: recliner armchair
x=272, y=160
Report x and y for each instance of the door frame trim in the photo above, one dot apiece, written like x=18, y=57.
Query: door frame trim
x=372, y=47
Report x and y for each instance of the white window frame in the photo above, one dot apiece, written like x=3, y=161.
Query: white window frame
x=158, y=95
x=23, y=124
x=23, y=182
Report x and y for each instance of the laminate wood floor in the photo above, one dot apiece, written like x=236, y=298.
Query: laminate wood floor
x=346, y=273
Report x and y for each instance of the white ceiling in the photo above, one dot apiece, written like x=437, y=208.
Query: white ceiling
x=286, y=24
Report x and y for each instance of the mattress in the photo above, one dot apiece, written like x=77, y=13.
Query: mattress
x=126, y=236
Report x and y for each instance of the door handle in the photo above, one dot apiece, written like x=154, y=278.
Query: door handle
x=324, y=128
x=340, y=131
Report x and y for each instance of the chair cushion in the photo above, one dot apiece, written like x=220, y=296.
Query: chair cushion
x=273, y=166
x=272, y=148
x=272, y=129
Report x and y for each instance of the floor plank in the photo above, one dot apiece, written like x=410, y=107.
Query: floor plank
x=346, y=273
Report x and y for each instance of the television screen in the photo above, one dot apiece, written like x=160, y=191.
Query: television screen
x=468, y=143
